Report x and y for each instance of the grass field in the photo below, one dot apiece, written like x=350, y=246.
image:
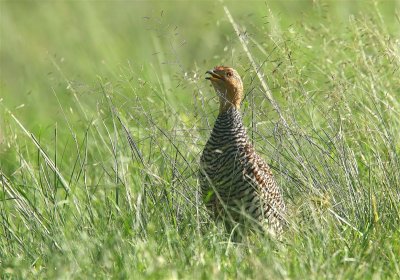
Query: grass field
x=104, y=111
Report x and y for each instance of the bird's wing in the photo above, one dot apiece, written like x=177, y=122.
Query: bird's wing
x=264, y=178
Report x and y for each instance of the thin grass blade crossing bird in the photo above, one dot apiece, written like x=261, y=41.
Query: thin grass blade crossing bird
x=237, y=185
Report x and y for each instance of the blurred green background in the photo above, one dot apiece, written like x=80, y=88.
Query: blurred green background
x=45, y=45
x=88, y=78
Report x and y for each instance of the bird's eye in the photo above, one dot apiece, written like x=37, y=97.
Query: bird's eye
x=229, y=74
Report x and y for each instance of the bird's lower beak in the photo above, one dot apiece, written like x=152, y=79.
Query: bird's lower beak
x=214, y=76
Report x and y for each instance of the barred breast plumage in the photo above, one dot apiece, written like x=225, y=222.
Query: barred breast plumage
x=237, y=184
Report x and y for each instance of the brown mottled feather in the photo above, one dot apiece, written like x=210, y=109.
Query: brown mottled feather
x=236, y=183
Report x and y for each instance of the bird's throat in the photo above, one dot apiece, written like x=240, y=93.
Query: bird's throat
x=230, y=100
x=226, y=105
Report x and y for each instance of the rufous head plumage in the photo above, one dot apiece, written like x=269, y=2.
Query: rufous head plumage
x=228, y=85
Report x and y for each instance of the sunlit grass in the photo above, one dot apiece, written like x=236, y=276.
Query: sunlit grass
x=101, y=135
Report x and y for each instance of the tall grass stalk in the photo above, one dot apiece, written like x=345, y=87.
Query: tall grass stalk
x=112, y=190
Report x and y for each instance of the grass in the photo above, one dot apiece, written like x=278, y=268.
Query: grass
x=104, y=112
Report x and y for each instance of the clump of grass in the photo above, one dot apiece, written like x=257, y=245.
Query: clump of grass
x=113, y=189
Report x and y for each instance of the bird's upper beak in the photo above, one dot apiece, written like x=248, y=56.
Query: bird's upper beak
x=214, y=76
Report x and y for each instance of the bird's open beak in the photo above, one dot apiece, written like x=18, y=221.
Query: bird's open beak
x=214, y=76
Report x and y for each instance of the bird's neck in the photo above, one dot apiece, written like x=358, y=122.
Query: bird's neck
x=230, y=118
x=225, y=105
x=228, y=128
x=230, y=100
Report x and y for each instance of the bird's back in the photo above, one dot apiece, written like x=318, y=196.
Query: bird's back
x=236, y=183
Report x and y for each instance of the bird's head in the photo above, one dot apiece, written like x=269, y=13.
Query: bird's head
x=228, y=85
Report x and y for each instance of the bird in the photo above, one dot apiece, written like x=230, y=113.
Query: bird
x=236, y=184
